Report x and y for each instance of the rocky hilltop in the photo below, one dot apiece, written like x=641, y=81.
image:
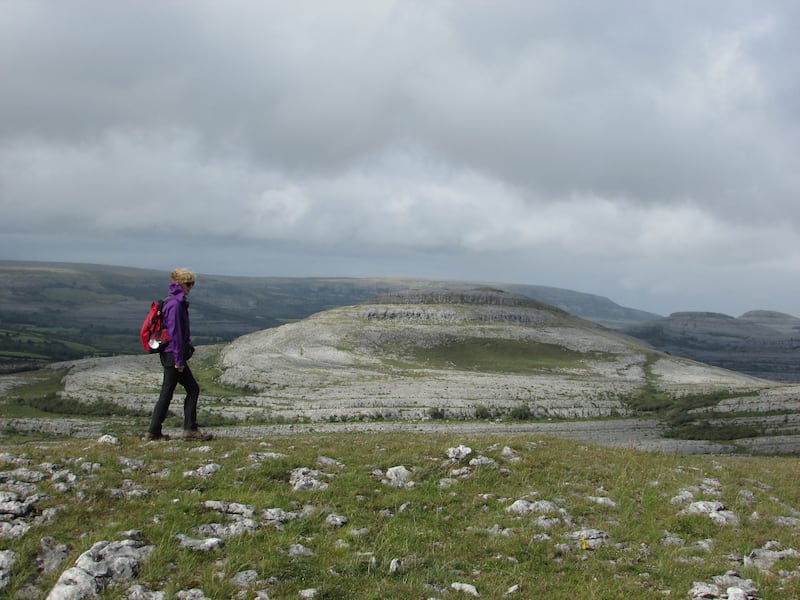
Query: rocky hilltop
x=405, y=355
x=760, y=343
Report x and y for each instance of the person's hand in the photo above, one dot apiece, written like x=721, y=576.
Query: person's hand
x=180, y=369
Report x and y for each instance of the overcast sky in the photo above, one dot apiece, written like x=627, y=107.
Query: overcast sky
x=646, y=151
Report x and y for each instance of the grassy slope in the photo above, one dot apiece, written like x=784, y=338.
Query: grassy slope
x=442, y=533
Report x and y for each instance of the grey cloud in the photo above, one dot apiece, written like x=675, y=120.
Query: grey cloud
x=437, y=137
x=545, y=97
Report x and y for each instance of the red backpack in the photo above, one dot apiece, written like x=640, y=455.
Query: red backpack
x=153, y=335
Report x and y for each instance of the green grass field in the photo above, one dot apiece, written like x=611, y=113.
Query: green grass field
x=499, y=355
x=459, y=531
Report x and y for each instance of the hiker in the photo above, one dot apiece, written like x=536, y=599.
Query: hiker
x=174, y=359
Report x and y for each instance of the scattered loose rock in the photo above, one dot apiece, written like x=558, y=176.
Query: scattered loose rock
x=398, y=477
x=300, y=550
x=326, y=461
x=716, y=511
x=336, y=521
x=276, y=517
x=459, y=453
x=193, y=594
x=52, y=555
x=7, y=561
x=482, y=461
x=735, y=588
x=139, y=592
x=305, y=479
x=95, y=569
x=509, y=455
x=588, y=539
x=603, y=501
x=259, y=456
x=524, y=507
x=203, y=471
x=467, y=588
x=765, y=558
x=200, y=545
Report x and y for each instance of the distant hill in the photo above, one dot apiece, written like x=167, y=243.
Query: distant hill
x=60, y=311
x=781, y=322
x=760, y=343
x=588, y=306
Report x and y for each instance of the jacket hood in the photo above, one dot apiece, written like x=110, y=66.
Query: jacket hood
x=175, y=289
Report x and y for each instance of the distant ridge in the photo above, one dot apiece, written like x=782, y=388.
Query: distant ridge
x=759, y=343
x=589, y=306
x=781, y=322
x=59, y=311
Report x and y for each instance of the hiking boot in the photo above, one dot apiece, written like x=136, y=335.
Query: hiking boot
x=195, y=435
x=156, y=437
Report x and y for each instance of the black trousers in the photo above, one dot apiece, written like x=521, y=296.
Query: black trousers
x=172, y=377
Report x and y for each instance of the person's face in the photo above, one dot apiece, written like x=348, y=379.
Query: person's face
x=187, y=287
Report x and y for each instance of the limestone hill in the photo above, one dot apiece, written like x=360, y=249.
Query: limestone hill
x=452, y=353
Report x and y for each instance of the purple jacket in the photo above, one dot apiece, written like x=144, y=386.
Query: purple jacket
x=176, y=320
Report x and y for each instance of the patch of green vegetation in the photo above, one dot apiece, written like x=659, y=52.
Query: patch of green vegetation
x=682, y=424
x=21, y=355
x=676, y=411
x=649, y=398
x=689, y=402
x=40, y=396
x=40, y=344
x=40, y=384
x=441, y=535
x=483, y=412
x=495, y=355
x=77, y=295
x=207, y=372
x=521, y=413
x=56, y=405
x=436, y=413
